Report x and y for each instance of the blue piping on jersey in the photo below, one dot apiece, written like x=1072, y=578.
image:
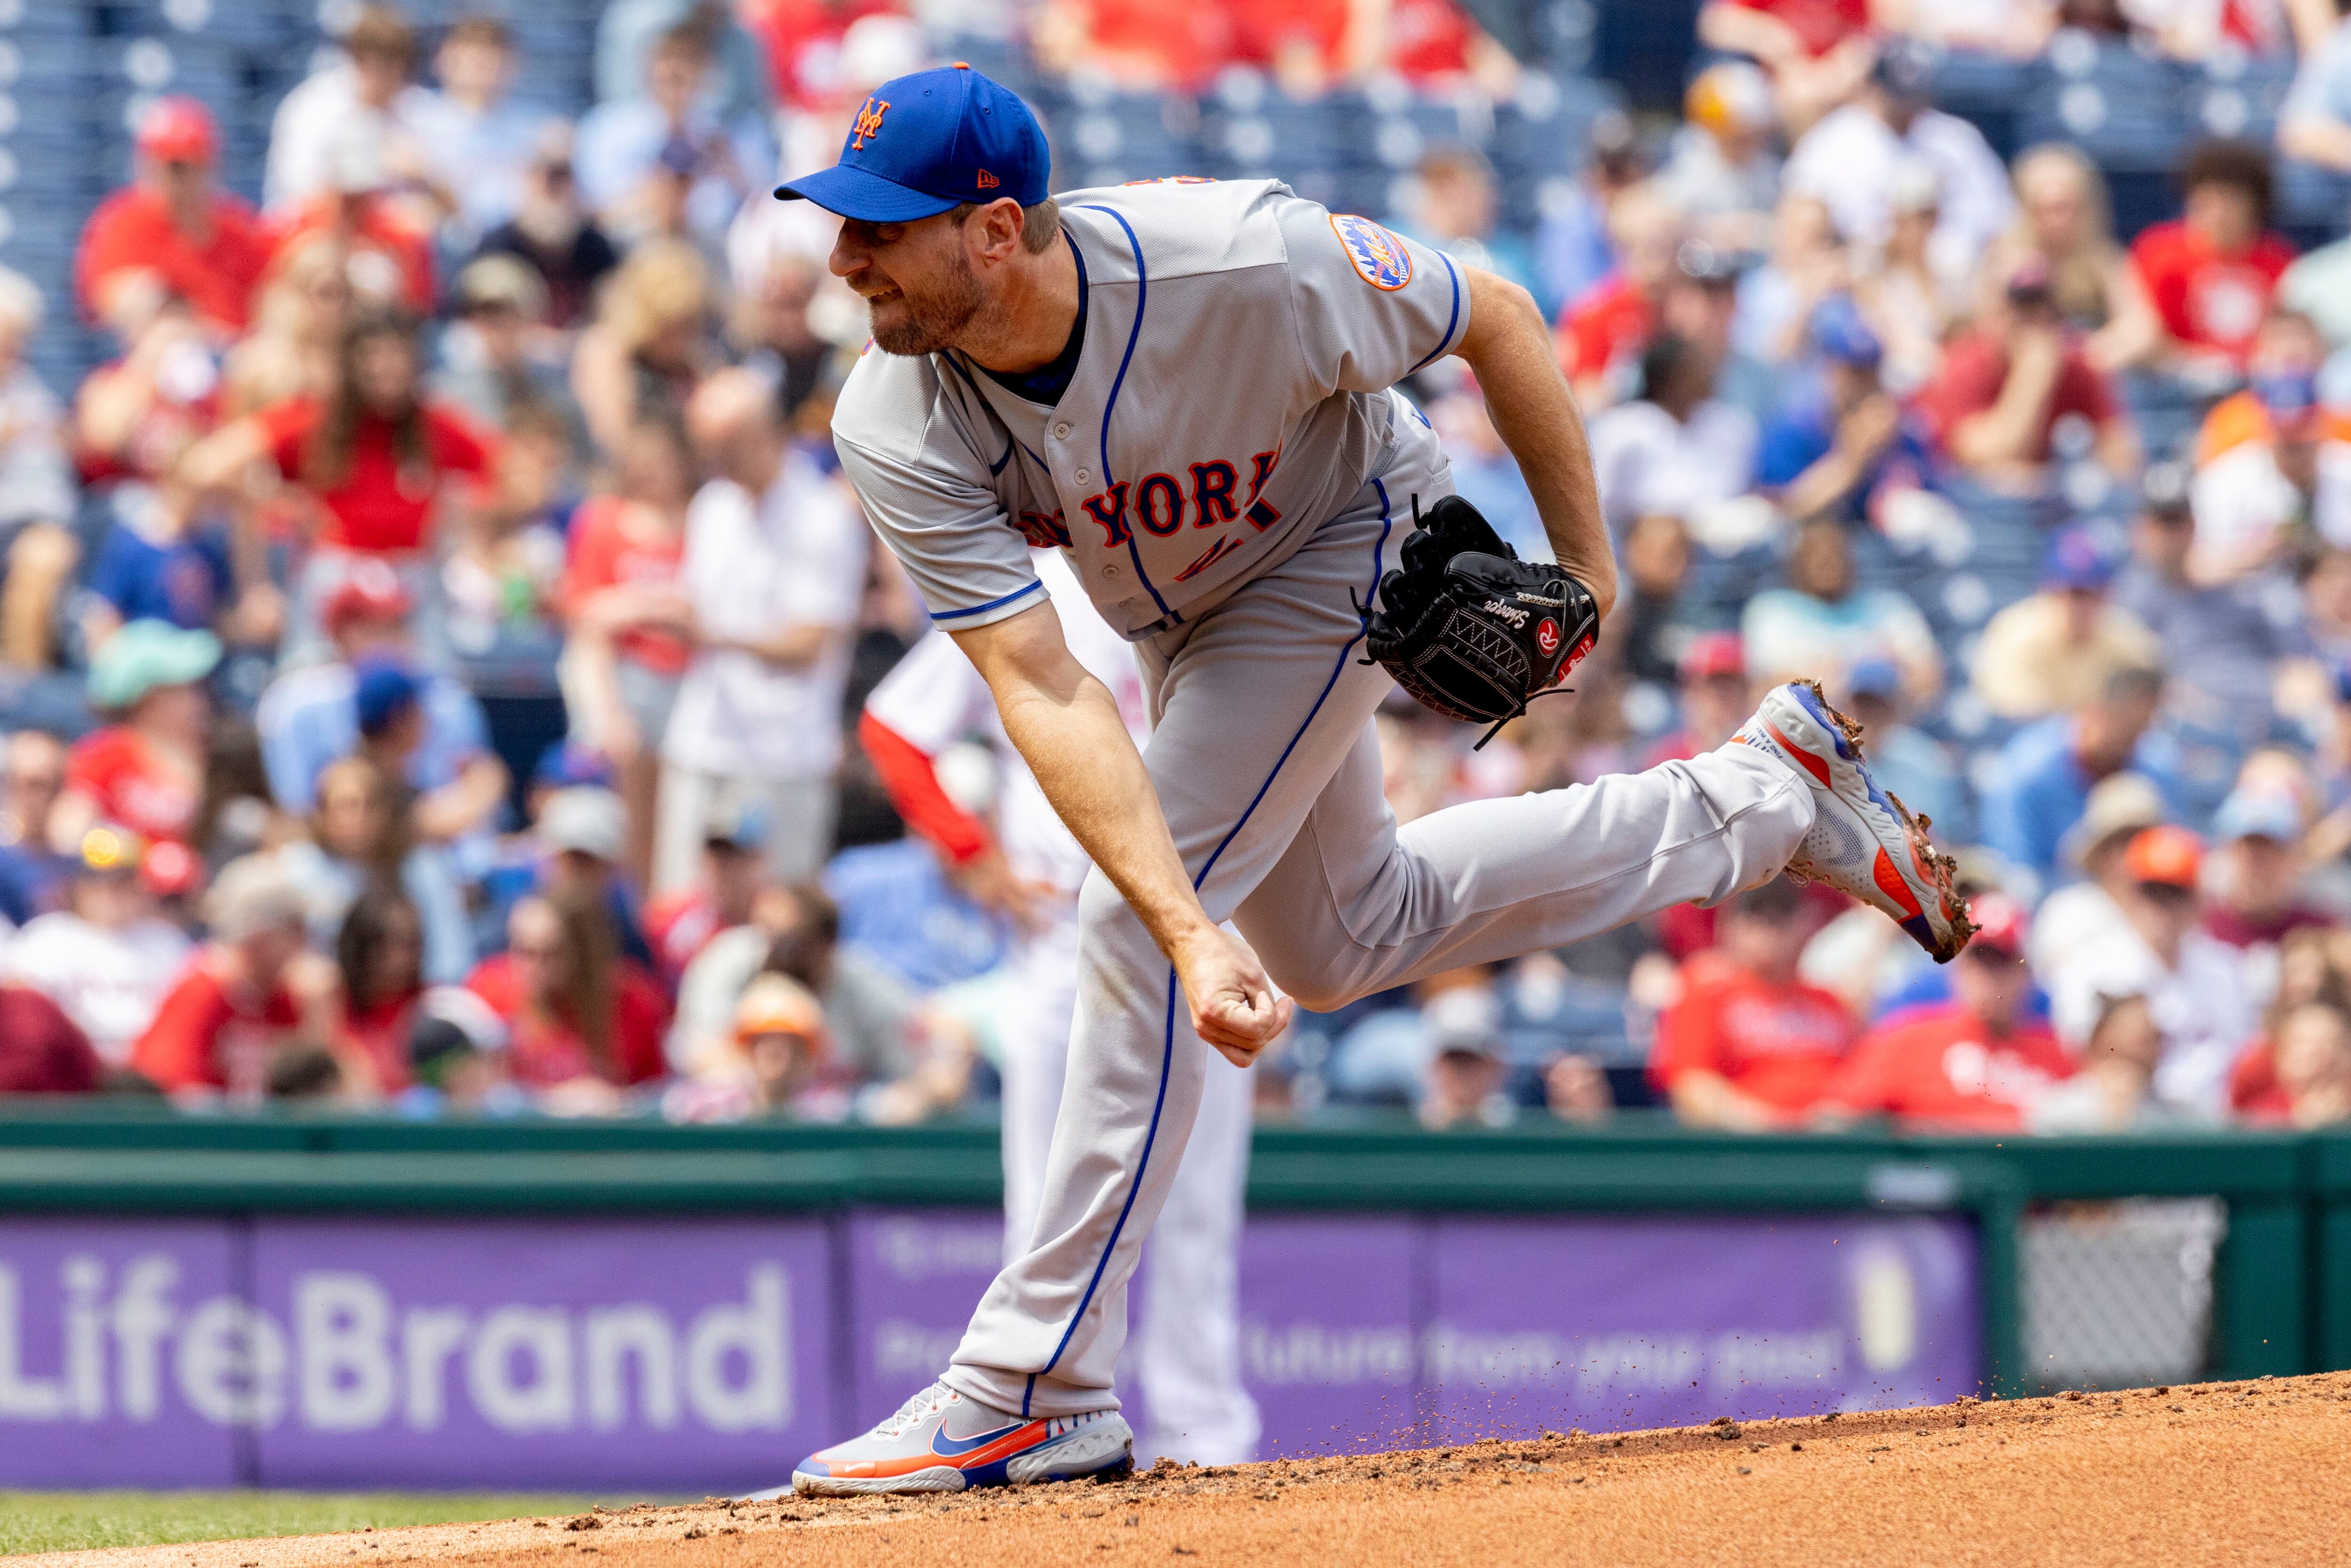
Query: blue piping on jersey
x=997, y=466
x=991, y=604
x=1167, y=1037
x=1134, y=551
x=1450, y=322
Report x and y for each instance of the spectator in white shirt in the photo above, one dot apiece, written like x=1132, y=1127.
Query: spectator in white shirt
x=1676, y=448
x=480, y=143
x=108, y=958
x=2195, y=984
x=365, y=98
x=1853, y=159
x=775, y=571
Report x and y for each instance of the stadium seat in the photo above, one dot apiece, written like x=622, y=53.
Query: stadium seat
x=2121, y=107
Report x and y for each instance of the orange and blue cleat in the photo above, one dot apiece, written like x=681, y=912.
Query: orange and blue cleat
x=942, y=1441
x=1862, y=841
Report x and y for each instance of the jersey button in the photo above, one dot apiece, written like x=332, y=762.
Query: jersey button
x=1110, y=572
x=1062, y=429
x=1082, y=477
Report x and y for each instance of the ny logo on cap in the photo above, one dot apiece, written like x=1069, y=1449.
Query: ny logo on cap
x=868, y=122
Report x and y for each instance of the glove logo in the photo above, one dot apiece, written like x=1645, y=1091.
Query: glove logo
x=1511, y=613
x=1380, y=259
x=1547, y=637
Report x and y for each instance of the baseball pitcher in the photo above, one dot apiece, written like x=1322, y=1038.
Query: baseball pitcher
x=1185, y=386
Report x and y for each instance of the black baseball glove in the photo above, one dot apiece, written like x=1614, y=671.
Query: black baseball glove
x=1466, y=627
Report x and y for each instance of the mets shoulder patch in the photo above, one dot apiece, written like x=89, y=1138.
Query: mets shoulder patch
x=1379, y=256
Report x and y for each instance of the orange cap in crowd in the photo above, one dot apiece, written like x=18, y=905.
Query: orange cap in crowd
x=2173, y=857
x=778, y=1004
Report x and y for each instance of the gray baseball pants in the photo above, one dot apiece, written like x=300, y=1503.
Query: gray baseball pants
x=1269, y=771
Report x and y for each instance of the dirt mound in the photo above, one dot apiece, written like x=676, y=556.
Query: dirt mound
x=2236, y=1472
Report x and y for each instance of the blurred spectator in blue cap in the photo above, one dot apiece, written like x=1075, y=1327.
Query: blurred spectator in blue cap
x=145, y=769
x=2256, y=888
x=2040, y=782
x=308, y=717
x=623, y=142
x=1908, y=762
x=1828, y=449
x=2053, y=651
x=386, y=696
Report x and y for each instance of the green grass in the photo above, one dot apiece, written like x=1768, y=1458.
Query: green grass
x=71, y=1520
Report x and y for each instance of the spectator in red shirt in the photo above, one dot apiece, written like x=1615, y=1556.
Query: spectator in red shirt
x=2300, y=1074
x=389, y=254
x=630, y=619
x=680, y=924
x=380, y=953
x=1976, y=1061
x=2007, y=380
x=2203, y=281
x=41, y=1049
x=253, y=1006
x=1750, y=1046
x=582, y=1021
x=1818, y=51
x=145, y=769
x=1143, y=45
x=171, y=233
x=1601, y=336
x=375, y=454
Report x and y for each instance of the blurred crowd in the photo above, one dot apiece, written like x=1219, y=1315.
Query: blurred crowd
x=431, y=644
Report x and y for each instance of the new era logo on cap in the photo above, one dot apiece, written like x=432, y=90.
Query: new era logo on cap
x=925, y=143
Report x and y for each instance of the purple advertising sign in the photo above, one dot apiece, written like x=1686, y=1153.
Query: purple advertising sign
x=697, y=1355
x=685, y=1355
x=915, y=1276
x=122, y=1359
x=1329, y=1348
x=1617, y=1324
x=1355, y=1329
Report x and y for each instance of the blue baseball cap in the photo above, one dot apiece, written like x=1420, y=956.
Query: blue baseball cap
x=2076, y=560
x=925, y=143
x=383, y=689
x=1841, y=335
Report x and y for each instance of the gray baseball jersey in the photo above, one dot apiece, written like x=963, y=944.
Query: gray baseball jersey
x=1232, y=393
x=1230, y=476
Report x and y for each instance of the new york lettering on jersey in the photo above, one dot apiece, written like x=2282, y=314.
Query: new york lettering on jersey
x=1231, y=392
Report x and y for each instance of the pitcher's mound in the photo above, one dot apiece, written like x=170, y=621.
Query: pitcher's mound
x=2236, y=1472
